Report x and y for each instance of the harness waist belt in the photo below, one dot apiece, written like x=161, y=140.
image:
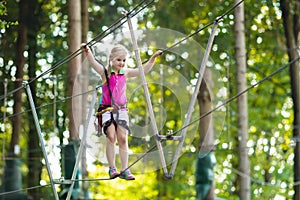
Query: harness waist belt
x=116, y=106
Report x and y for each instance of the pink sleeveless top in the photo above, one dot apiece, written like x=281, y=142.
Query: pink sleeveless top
x=117, y=85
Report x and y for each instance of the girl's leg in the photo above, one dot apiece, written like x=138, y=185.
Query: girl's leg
x=123, y=146
x=110, y=145
x=123, y=150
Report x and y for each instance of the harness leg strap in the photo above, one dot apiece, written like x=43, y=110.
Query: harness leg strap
x=122, y=123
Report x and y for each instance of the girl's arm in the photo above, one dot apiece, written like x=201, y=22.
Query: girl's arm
x=96, y=65
x=147, y=67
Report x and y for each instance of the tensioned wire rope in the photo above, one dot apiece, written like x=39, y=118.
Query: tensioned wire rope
x=204, y=115
x=239, y=94
x=225, y=103
x=211, y=111
x=138, y=8
x=167, y=49
x=153, y=147
x=111, y=29
x=86, y=92
x=117, y=24
x=102, y=35
x=201, y=116
x=54, y=102
x=216, y=108
x=182, y=40
x=25, y=189
x=221, y=105
x=206, y=26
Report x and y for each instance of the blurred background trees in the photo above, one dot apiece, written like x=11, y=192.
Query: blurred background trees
x=34, y=37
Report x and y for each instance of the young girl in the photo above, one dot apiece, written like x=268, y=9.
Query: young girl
x=115, y=122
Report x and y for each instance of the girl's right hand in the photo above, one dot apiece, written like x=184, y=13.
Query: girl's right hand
x=85, y=47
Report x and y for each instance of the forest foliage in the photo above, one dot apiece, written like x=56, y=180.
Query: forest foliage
x=270, y=105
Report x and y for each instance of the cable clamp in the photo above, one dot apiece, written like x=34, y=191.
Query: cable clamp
x=24, y=84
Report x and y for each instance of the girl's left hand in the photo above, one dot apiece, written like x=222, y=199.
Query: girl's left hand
x=158, y=53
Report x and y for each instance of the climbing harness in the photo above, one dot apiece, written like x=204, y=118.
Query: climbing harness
x=114, y=109
x=98, y=120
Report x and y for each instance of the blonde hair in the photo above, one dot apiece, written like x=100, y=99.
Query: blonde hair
x=118, y=50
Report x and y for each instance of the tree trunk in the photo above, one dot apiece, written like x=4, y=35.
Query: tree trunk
x=84, y=69
x=73, y=89
x=34, y=153
x=12, y=179
x=73, y=86
x=205, y=159
x=19, y=62
x=240, y=54
x=85, y=82
x=291, y=25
